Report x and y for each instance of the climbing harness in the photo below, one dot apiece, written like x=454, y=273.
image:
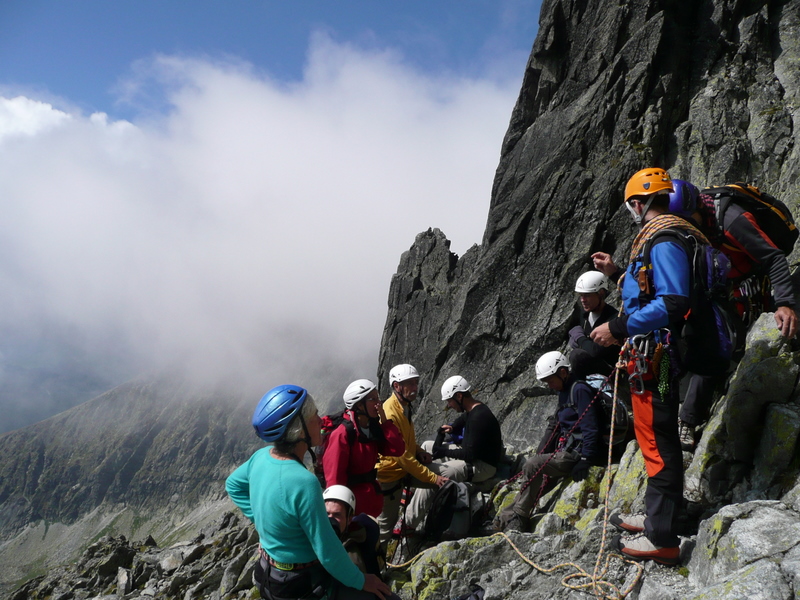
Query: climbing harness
x=648, y=357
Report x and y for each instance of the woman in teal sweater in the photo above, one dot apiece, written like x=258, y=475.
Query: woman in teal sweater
x=299, y=548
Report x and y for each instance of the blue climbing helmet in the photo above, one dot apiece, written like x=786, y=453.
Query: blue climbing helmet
x=276, y=410
x=683, y=198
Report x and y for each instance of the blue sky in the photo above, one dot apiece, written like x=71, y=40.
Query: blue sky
x=231, y=185
x=79, y=50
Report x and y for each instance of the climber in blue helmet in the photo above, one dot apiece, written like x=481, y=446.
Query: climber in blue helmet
x=301, y=556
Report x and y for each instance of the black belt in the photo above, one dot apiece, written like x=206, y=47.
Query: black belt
x=358, y=478
x=285, y=566
x=392, y=490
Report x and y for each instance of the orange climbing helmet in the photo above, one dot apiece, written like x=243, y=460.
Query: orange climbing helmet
x=647, y=182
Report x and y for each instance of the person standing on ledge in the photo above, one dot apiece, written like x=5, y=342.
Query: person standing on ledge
x=301, y=555
x=656, y=298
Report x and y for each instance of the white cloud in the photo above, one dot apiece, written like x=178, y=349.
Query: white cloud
x=24, y=116
x=253, y=218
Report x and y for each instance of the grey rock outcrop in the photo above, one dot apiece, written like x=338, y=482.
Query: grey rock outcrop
x=749, y=442
x=218, y=563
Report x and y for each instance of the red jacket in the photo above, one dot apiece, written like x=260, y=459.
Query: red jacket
x=342, y=460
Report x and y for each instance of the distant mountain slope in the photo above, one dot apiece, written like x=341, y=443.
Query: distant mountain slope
x=147, y=443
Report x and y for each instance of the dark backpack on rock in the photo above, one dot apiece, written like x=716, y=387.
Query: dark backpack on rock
x=450, y=514
x=772, y=216
x=604, y=401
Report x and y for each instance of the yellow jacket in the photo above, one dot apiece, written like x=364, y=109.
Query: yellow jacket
x=392, y=468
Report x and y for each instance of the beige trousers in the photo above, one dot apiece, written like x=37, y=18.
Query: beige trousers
x=452, y=468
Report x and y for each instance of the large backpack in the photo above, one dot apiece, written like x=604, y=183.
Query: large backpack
x=710, y=330
x=773, y=216
x=329, y=424
x=450, y=514
x=604, y=401
x=710, y=324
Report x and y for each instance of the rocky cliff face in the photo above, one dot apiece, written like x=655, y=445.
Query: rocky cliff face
x=709, y=90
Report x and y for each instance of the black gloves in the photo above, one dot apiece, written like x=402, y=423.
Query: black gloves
x=580, y=470
x=575, y=334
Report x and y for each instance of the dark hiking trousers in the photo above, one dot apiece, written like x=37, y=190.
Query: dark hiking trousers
x=655, y=423
x=558, y=466
x=699, y=397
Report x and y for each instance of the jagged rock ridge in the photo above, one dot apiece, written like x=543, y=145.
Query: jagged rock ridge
x=709, y=90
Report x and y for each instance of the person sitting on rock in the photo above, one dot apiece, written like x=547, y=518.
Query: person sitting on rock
x=592, y=288
x=300, y=555
x=475, y=459
x=570, y=448
x=352, y=529
x=415, y=467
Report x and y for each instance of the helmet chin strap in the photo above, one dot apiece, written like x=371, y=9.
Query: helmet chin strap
x=406, y=401
x=307, y=440
x=639, y=217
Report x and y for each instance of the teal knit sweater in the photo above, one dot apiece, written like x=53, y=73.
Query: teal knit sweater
x=284, y=501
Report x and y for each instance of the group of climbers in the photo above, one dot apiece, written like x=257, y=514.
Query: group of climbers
x=301, y=555
x=367, y=461
x=663, y=332
x=662, y=298
x=659, y=294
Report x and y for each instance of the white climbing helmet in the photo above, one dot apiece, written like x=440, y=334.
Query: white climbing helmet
x=342, y=494
x=356, y=392
x=549, y=364
x=402, y=373
x=592, y=282
x=453, y=385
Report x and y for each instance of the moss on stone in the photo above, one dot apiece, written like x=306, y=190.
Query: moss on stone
x=630, y=478
x=588, y=517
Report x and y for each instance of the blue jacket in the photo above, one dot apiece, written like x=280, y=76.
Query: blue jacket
x=668, y=305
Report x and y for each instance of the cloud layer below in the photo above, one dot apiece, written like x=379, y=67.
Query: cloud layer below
x=251, y=222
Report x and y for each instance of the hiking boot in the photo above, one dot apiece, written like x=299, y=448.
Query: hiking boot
x=686, y=435
x=630, y=522
x=518, y=523
x=639, y=547
x=488, y=527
